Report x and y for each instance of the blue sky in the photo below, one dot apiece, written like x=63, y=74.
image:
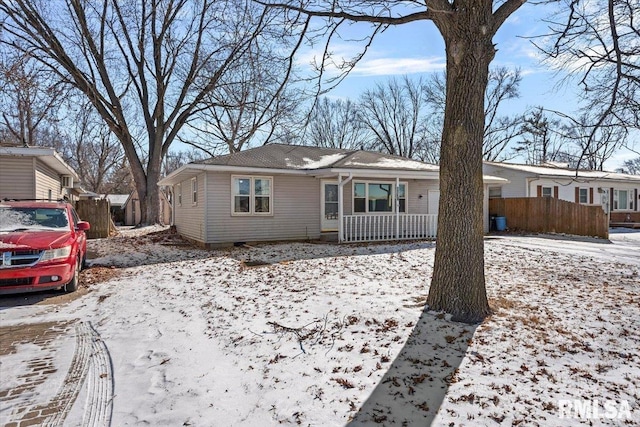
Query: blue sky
x=417, y=49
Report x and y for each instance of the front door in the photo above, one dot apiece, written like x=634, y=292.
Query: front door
x=329, y=206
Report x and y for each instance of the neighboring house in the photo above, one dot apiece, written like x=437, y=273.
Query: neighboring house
x=615, y=192
x=287, y=192
x=131, y=207
x=133, y=215
x=36, y=173
x=116, y=206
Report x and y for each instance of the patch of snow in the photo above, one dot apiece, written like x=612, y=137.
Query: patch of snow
x=323, y=162
x=387, y=163
x=324, y=334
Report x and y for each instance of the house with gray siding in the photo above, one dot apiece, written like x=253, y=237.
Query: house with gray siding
x=617, y=193
x=35, y=173
x=289, y=192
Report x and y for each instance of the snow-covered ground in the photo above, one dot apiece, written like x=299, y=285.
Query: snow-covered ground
x=330, y=335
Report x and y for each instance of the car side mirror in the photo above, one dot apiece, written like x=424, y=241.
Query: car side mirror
x=83, y=226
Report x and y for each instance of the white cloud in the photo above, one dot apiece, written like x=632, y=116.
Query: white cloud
x=393, y=66
x=373, y=64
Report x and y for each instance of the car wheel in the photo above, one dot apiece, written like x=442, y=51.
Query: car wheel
x=72, y=286
x=84, y=261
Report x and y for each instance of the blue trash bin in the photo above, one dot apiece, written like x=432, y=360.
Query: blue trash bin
x=501, y=223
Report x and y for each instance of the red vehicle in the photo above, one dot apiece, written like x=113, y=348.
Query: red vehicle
x=42, y=246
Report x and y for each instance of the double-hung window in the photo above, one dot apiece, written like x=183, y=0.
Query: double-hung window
x=194, y=191
x=179, y=194
x=547, y=192
x=251, y=195
x=583, y=196
x=378, y=197
x=622, y=200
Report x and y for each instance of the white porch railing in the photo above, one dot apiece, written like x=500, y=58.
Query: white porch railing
x=379, y=227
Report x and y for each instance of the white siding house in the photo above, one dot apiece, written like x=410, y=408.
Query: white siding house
x=287, y=192
x=615, y=192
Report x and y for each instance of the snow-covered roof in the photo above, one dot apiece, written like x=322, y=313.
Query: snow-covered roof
x=300, y=159
x=552, y=171
x=117, y=199
x=303, y=160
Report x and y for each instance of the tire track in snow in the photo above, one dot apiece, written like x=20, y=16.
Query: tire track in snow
x=99, y=403
x=91, y=358
x=72, y=384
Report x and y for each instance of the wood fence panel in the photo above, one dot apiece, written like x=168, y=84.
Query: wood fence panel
x=551, y=215
x=97, y=213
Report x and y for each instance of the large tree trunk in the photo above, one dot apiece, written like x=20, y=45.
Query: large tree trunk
x=151, y=211
x=458, y=285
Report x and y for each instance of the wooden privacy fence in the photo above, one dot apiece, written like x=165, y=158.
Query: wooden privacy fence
x=551, y=215
x=97, y=213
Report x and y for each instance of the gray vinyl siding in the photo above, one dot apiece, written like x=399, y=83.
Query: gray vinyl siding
x=17, y=179
x=295, y=204
x=189, y=218
x=415, y=189
x=517, y=186
x=47, y=179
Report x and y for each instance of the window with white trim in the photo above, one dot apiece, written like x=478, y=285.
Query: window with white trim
x=179, y=194
x=583, y=195
x=547, y=192
x=622, y=200
x=194, y=191
x=378, y=197
x=251, y=195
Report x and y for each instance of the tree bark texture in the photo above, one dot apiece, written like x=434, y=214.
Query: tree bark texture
x=458, y=285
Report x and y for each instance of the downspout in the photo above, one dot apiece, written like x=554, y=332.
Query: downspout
x=172, y=205
x=341, y=185
x=529, y=180
x=205, y=215
x=397, y=208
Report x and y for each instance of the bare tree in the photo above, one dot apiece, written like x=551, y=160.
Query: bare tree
x=499, y=130
x=174, y=159
x=92, y=148
x=595, y=146
x=599, y=42
x=146, y=66
x=336, y=124
x=251, y=105
x=29, y=99
x=541, y=137
x=467, y=27
x=632, y=166
x=396, y=115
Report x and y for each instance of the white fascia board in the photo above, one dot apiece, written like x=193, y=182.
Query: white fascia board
x=489, y=179
x=194, y=169
x=65, y=166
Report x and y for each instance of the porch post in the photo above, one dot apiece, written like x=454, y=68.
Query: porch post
x=397, y=207
x=340, y=209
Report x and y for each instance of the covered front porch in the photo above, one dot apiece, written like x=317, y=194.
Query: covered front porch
x=370, y=228
x=370, y=207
